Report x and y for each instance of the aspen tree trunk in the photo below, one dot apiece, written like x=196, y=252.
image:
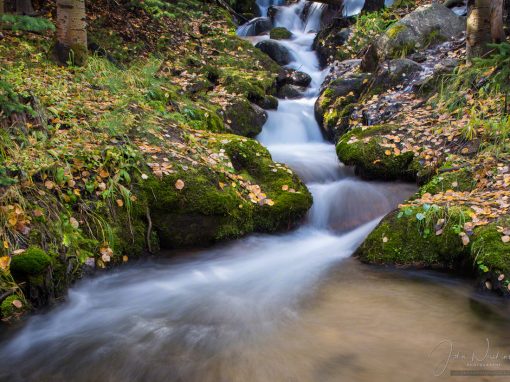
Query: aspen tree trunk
x=71, y=31
x=24, y=7
x=478, y=28
x=497, y=31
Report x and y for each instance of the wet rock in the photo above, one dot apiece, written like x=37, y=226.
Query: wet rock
x=290, y=91
x=424, y=26
x=245, y=118
x=276, y=51
x=269, y=102
x=272, y=11
x=293, y=77
x=280, y=33
x=256, y=27
x=331, y=13
x=394, y=72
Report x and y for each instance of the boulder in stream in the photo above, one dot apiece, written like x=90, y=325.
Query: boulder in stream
x=276, y=51
x=289, y=91
x=256, y=27
x=245, y=118
x=289, y=76
x=280, y=33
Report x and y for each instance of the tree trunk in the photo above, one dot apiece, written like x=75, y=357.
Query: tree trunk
x=71, y=32
x=373, y=5
x=478, y=28
x=24, y=7
x=2, y=10
x=497, y=30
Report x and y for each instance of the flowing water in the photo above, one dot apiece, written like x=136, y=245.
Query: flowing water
x=268, y=308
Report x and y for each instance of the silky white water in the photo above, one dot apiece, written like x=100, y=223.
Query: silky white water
x=288, y=307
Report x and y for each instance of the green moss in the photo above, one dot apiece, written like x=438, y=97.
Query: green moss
x=211, y=207
x=434, y=37
x=8, y=310
x=280, y=33
x=34, y=261
x=395, y=30
x=255, y=163
x=198, y=214
x=459, y=180
x=408, y=237
x=402, y=50
x=370, y=159
x=489, y=250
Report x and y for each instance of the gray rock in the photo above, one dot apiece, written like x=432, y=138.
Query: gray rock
x=276, y=51
x=290, y=91
x=394, y=72
x=423, y=26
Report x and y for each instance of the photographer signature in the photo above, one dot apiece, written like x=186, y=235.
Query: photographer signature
x=472, y=359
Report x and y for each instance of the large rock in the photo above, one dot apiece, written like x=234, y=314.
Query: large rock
x=289, y=76
x=362, y=148
x=290, y=91
x=256, y=27
x=276, y=51
x=426, y=25
x=245, y=118
x=207, y=208
x=280, y=33
x=336, y=103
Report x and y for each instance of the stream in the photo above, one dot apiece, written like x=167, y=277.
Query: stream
x=270, y=308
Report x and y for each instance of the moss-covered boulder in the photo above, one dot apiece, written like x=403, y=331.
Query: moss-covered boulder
x=280, y=33
x=425, y=236
x=425, y=25
x=34, y=261
x=362, y=148
x=245, y=118
x=33, y=269
x=199, y=206
x=336, y=102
